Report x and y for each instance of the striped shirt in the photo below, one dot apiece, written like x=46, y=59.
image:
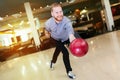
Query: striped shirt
x=59, y=31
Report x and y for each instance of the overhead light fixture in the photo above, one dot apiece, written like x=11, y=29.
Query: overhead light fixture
x=10, y=25
x=16, y=15
x=20, y=12
x=41, y=7
x=47, y=6
x=21, y=23
x=34, y=9
x=1, y=18
x=67, y=0
x=6, y=15
x=71, y=1
x=60, y=2
x=83, y=11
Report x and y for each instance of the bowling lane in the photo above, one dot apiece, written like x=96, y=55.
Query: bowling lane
x=102, y=62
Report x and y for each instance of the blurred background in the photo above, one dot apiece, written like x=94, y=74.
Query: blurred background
x=16, y=39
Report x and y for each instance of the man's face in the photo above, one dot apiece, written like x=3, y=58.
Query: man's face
x=57, y=13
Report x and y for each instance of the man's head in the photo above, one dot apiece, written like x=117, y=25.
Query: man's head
x=57, y=12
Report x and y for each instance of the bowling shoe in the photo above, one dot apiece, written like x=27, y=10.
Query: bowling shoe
x=71, y=75
x=51, y=65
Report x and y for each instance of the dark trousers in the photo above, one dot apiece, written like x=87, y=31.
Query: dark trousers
x=61, y=48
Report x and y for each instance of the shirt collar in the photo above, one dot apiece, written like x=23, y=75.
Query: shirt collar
x=56, y=22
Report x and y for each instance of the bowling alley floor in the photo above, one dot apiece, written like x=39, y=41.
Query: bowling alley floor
x=102, y=62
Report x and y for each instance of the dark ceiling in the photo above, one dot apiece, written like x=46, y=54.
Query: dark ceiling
x=17, y=6
x=8, y=7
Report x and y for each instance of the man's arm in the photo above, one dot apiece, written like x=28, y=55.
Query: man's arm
x=71, y=37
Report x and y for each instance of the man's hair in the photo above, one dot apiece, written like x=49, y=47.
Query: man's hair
x=55, y=5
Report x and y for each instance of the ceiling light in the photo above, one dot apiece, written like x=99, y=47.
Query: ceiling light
x=1, y=18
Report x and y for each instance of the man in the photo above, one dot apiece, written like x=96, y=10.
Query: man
x=60, y=29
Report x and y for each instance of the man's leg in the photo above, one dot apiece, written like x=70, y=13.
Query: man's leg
x=66, y=59
x=67, y=62
x=56, y=52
